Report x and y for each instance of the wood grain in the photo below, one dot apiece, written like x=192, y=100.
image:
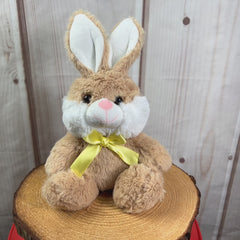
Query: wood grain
x=191, y=80
x=28, y=80
x=145, y=23
x=170, y=219
x=52, y=72
x=16, y=152
x=229, y=227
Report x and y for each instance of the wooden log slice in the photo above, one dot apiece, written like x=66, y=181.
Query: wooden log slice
x=169, y=220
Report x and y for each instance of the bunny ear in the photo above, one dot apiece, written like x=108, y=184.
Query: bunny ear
x=126, y=41
x=86, y=43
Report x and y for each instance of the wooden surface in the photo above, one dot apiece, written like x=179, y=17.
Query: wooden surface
x=170, y=219
x=229, y=228
x=194, y=93
x=16, y=154
x=190, y=74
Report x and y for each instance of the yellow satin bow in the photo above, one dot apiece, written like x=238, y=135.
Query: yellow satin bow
x=96, y=141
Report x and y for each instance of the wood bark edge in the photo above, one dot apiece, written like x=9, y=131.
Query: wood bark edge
x=28, y=234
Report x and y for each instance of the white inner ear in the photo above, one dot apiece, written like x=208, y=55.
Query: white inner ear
x=122, y=40
x=86, y=42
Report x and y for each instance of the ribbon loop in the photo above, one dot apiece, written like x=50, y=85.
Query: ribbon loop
x=96, y=141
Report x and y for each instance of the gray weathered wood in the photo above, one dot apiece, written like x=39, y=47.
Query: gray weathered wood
x=16, y=152
x=231, y=229
x=230, y=226
x=192, y=82
x=52, y=72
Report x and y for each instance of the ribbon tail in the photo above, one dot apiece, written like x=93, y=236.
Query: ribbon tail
x=85, y=158
x=127, y=155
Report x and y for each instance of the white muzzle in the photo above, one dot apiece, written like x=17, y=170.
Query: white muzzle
x=104, y=113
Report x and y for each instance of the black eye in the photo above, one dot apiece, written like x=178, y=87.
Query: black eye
x=118, y=100
x=87, y=98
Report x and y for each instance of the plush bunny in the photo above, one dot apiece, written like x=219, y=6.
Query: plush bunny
x=105, y=115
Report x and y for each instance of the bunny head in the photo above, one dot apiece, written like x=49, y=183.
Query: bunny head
x=105, y=98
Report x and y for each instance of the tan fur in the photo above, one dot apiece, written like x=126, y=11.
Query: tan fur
x=67, y=191
x=63, y=154
x=136, y=188
x=104, y=84
x=106, y=168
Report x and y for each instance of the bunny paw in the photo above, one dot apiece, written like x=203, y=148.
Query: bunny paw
x=138, y=188
x=67, y=191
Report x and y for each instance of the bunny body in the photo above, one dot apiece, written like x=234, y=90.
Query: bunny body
x=105, y=100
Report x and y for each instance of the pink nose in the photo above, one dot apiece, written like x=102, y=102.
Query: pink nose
x=105, y=104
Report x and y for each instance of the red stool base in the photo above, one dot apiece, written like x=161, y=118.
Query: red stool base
x=13, y=235
x=195, y=234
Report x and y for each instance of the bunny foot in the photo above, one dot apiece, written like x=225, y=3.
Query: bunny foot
x=67, y=191
x=138, y=188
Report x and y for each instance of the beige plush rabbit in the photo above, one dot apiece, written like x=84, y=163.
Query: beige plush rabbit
x=105, y=115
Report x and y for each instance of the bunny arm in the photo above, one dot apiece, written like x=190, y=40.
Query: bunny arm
x=151, y=152
x=63, y=189
x=62, y=155
x=140, y=187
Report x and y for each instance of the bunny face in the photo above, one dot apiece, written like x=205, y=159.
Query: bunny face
x=105, y=98
x=105, y=104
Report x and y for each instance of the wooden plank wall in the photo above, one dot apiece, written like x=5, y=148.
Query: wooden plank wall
x=189, y=72
x=230, y=225
x=192, y=82
x=16, y=154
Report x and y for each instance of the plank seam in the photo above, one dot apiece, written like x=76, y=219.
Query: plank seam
x=143, y=58
x=229, y=189
x=28, y=79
